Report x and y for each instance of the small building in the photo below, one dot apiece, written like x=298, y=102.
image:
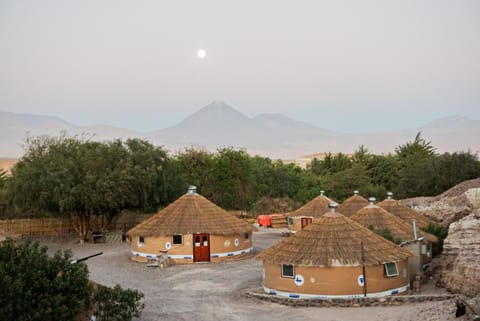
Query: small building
x=403, y=212
x=192, y=229
x=303, y=216
x=352, y=204
x=335, y=257
x=400, y=232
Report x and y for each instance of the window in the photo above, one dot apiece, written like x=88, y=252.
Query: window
x=141, y=239
x=391, y=269
x=177, y=239
x=424, y=249
x=287, y=271
x=290, y=221
x=246, y=236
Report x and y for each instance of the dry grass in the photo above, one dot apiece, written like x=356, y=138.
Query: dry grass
x=379, y=219
x=191, y=213
x=404, y=213
x=352, y=204
x=316, y=207
x=334, y=240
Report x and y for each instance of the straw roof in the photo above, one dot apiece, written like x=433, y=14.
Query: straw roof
x=334, y=240
x=379, y=219
x=352, y=204
x=191, y=213
x=316, y=207
x=404, y=213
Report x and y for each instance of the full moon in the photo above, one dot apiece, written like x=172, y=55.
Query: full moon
x=201, y=53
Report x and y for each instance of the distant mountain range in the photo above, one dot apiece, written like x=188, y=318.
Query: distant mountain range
x=274, y=135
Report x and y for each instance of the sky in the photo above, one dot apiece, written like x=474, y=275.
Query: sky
x=351, y=66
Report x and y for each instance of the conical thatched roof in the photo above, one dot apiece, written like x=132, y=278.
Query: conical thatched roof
x=334, y=240
x=191, y=213
x=404, y=213
x=352, y=204
x=316, y=207
x=373, y=216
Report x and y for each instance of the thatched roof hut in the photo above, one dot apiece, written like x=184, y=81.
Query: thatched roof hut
x=381, y=221
x=192, y=229
x=403, y=212
x=304, y=215
x=325, y=259
x=352, y=204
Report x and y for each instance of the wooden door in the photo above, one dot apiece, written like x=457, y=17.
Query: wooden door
x=201, y=248
x=306, y=221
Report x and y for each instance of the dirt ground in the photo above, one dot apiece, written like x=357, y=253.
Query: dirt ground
x=216, y=291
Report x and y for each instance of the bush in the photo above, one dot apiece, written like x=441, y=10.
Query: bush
x=117, y=304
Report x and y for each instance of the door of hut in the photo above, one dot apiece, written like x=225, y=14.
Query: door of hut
x=201, y=248
x=306, y=221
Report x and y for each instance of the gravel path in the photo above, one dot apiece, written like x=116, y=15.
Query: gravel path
x=216, y=291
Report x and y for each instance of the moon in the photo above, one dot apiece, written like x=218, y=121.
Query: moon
x=201, y=53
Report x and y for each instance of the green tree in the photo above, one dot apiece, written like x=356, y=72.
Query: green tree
x=196, y=168
x=117, y=304
x=3, y=178
x=419, y=148
x=38, y=287
x=68, y=176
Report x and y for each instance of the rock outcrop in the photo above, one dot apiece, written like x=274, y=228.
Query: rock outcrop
x=450, y=206
x=460, y=261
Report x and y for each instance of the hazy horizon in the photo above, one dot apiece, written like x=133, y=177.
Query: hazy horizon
x=348, y=66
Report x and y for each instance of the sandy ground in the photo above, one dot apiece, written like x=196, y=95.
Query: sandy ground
x=216, y=291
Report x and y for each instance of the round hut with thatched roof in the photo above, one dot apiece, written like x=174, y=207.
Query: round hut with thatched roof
x=303, y=216
x=352, y=204
x=396, y=230
x=192, y=229
x=335, y=257
x=403, y=212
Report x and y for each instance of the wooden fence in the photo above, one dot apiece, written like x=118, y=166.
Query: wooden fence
x=60, y=227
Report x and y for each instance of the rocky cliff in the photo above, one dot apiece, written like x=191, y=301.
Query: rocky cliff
x=450, y=206
x=459, y=263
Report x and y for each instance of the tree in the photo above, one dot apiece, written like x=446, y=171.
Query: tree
x=3, y=178
x=117, y=304
x=37, y=287
x=419, y=148
x=68, y=176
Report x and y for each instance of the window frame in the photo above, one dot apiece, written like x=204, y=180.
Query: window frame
x=288, y=276
x=387, y=271
x=181, y=239
x=246, y=236
x=141, y=239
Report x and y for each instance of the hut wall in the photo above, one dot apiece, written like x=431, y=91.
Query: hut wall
x=222, y=248
x=296, y=223
x=335, y=281
x=230, y=247
x=154, y=244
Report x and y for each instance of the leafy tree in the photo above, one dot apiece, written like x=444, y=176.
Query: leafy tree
x=67, y=176
x=196, y=167
x=419, y=148
x=37, y=287
x=117, y=304
x=441, y=232
x=3, y=178
x=330, y=164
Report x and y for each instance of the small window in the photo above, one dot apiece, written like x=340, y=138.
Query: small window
x=424, y=249
x=177, y=239
x=290, y=221
x=287, y=271
x=391, y=269
x=141, y=239
x=246, y=236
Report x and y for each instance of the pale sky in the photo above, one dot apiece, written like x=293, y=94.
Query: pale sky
x=343, y=65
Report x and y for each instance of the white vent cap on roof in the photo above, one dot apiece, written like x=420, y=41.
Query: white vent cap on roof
x=372, y=200
x=333, y=206
x=192, y=190
x=355, y=192
x=322, y=192
x=389, y=195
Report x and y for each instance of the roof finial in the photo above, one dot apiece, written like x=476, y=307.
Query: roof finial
x=192, y=190
x=322, y=192
x=389, y=195
x=355, y=192
x=372, y=200
x=333, y=206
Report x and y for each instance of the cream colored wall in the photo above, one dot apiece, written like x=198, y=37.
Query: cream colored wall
x=415, y=261
x=335, y=280
x=297, y=223
x=218, y=244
